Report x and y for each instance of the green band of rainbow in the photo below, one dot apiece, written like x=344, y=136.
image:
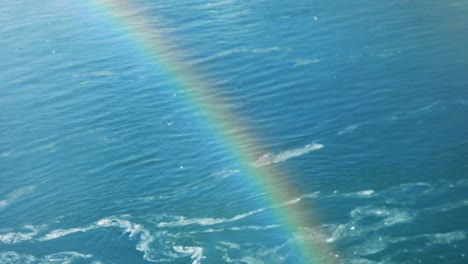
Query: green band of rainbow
x=227, y=127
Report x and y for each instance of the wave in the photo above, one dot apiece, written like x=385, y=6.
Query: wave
x=369, y=219
x=182, y=221
x=225, y=173
x=433, y=239
x=381, y=243
x=370, y=247
x=229, y=52
x=298, y=199
x=208, y=221
x=66, y=257
x=348, y=129
x=64, y=232
x=251, y=253
x=15, y=195
x=410, y=193
x=445, y=238
x=196, y=253
x=135, y=231
x=17, y=237
x=420, y=111
x=102, y=73
x=272, y=158
x=368, y=231
x=237, y=228
x=60, y=257
x=5, y=154
x=358, y=194
x=446, y=207
x=15, y=257
x=254, y=227
x=304, y=62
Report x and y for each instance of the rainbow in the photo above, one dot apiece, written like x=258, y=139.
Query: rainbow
x=227, y=127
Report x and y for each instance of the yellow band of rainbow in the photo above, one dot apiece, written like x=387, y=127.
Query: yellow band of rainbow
x=226, y=126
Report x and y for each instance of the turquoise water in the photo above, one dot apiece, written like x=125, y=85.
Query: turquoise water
x=104, y=160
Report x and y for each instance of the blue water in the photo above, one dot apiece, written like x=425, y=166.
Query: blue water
x=103, y=159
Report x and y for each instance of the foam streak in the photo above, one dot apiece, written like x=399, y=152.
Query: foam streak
x=272, y=158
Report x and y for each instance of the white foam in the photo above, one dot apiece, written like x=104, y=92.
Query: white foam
x=54, y=234
x=66, y=257
x=370, y=247
x=413, y=188
x=250, y=253
x=248, y=50
x=17, y=237
x=411, y=193
x=387, y=216
x=445, y=238
x=271, y=158
x=144, y=199
x=15, y=195
x=433, y=239
x=102, y=73
x=226, y=3
x=237, y=228
x=225, y=173
x=196, y=253
x=365, y=193
x=447, y=207
x=337, y=233
x=251, y=260
x=134, y=230
x=298, y=199
x=358, y=194
x=293, y=201
x=417, y=112
x=429, y=107
x=253, y=227
x=147, y=198
x=229, y=52
x=230, y=244
x=361, y=261
x=371, y=221
x=348, y=129
x=380, y=217
x=15, y=257
x=60, y=257
x=303, y=62
x=182, y=221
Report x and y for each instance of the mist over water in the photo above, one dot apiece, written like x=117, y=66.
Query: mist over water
x=363, y=106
